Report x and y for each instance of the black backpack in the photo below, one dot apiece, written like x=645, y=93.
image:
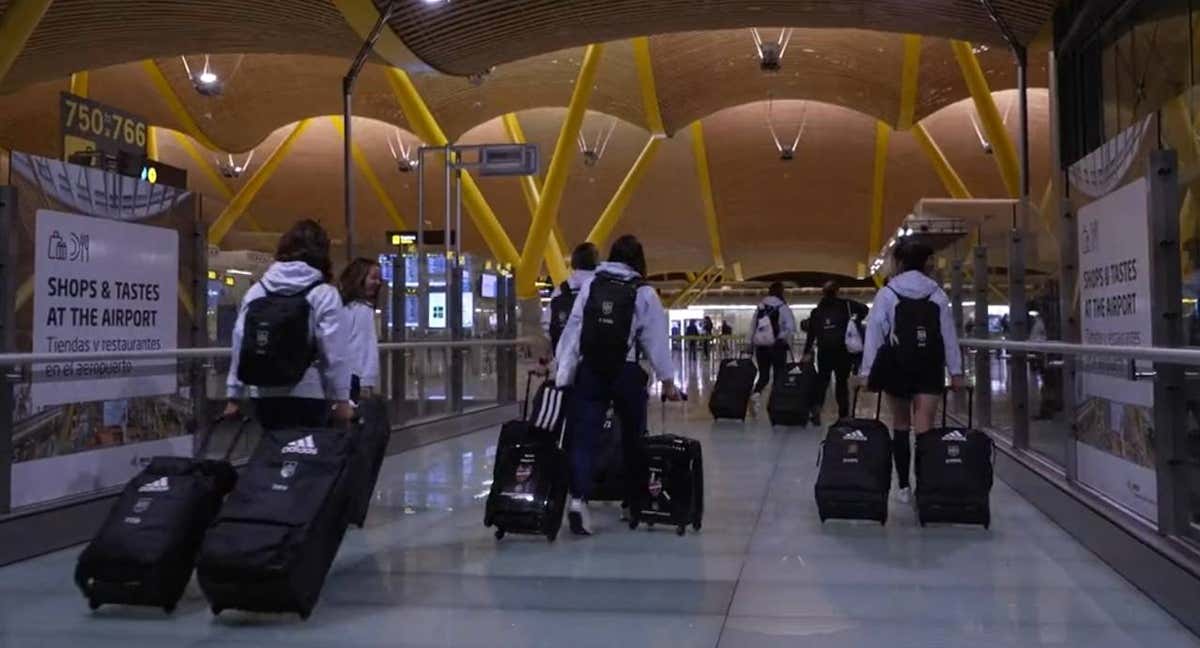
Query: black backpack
x=277, y=343
x=917, y=332
x=607, y=321
x=560, y=312
x=833, y=321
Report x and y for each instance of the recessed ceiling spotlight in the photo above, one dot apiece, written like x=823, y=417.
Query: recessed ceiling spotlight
x=206, y=82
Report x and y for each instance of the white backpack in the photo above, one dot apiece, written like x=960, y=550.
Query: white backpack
x=854, y=341
x=764, y=330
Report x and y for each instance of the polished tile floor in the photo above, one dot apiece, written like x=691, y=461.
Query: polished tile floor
x=763, y=572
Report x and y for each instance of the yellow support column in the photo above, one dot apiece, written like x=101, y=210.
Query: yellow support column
x=79, y=84
x=693, y=284
x=556, y=260
x=620, y=200
x=883, y=135
x=641, y=57
x=426, y=127
x=152, y=143
x=700, y=153
x=556, y=174
x=203, y=163
x=364, y=167
x=175, y=105
x=17, y=23
x=989, y=115
x=237, y=206
x=909, y=78
x=950, y=179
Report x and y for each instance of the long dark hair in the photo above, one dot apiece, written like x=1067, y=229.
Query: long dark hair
x=628, y=250
x=353, y=282
x=307, y=241
x=912, y=254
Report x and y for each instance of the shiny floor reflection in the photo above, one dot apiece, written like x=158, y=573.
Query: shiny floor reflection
x=763, y=572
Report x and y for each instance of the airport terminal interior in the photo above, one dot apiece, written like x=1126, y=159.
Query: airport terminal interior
x=1045, y=154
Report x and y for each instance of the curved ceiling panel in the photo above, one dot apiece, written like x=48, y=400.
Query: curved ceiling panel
x=469, y=36
x=88, y=34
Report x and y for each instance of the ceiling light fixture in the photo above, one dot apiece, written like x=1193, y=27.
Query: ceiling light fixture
x=770, y=54
x=402, y=154
x=206, y=82
x=786, y=153
x=592, y=154
x=231, y=169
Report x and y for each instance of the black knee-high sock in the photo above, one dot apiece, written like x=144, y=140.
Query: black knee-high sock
x=901, y=454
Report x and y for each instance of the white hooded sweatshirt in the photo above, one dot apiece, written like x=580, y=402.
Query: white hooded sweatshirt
x=329, y=377
x=881, y=321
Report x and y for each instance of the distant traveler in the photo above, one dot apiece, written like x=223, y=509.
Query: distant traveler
x=707, y=328
x=289, y=342
x=584, y=259
x=692, y=332
x=911, y=342
x=774, y=326
x=839, y=346
x=359, y=284
x=616, y=320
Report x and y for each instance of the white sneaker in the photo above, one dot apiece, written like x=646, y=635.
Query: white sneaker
x=904, y=495
x=579, y=518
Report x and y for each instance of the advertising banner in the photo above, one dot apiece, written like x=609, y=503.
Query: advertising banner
x=1115, y=414
x=103, y=286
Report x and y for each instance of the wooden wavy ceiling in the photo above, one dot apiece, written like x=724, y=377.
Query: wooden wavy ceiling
x=469, y=36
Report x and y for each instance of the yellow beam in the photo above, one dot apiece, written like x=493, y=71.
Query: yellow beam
x=79, y=84
x=423, y=123
x=620, y=200
x=700, y=153
x=175, y=104
x=362, y=15
x=556, y=174
x=364, y=167
x=883, y=135
x=909, y=77
x=152, y=143
x=993, y=125
x=950, y=179
x=555, y=257
x=17, y=23
x=237, y=206
x=641, y=56
x=206, y=168
x=694, y=282
x=700, y=292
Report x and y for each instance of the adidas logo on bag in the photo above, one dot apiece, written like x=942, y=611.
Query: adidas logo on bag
x=954, y=436
x=160, y=485
x=856, y=435
x=305, y=445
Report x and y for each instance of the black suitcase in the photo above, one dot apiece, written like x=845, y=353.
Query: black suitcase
x=146, y=548
x=792, y=396
x=609, y=482
x=275, y=538
x=731, y=395
x=855, y=470
x=374, y=431
x=673, y=475
x=954, y=473
x=530, y=476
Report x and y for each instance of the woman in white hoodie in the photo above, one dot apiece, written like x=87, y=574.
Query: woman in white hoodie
x=359, y=284
x=912, y=364
x=302, y=267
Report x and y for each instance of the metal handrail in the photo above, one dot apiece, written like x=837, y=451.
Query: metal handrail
x=18, y=359
x=1189, y=356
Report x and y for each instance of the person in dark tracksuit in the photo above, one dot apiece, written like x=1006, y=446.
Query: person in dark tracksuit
x=827, y=329
x=598, y=382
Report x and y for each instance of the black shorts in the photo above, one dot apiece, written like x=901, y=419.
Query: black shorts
x=911, y=382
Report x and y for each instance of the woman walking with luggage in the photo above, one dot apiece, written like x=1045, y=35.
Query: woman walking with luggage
x=289, y=341
x=774, y=326
x=617, y=319
x=359, y=285
x=911, y=343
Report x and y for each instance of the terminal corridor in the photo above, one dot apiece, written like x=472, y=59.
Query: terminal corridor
x=762, y=572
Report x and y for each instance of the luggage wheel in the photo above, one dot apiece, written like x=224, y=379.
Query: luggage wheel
x=304, y=615
x=93, y=604
x=633, y=524
x=550, y=537
x=499, y=534
x=696, y=526
x=680, y=530
x=169, y=609
x=217, y=610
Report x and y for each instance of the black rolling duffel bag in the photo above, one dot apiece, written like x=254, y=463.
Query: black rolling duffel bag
x=146, y=548
x=275, y=538
x=370, y=448
x=792, y=395
x=855, y=473
x=954, y=473
x=731, y=395
x=673, y=477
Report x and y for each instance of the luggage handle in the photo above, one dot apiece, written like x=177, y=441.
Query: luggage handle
x=878, y=403
x=528, y=384
x=243, y=423
x=683, y=398
x=970, y=407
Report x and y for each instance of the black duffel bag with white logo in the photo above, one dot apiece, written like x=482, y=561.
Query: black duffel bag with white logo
x=955, y=473
x=855, y=473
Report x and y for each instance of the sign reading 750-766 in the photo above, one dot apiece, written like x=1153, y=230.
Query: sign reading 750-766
x=104, y=128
